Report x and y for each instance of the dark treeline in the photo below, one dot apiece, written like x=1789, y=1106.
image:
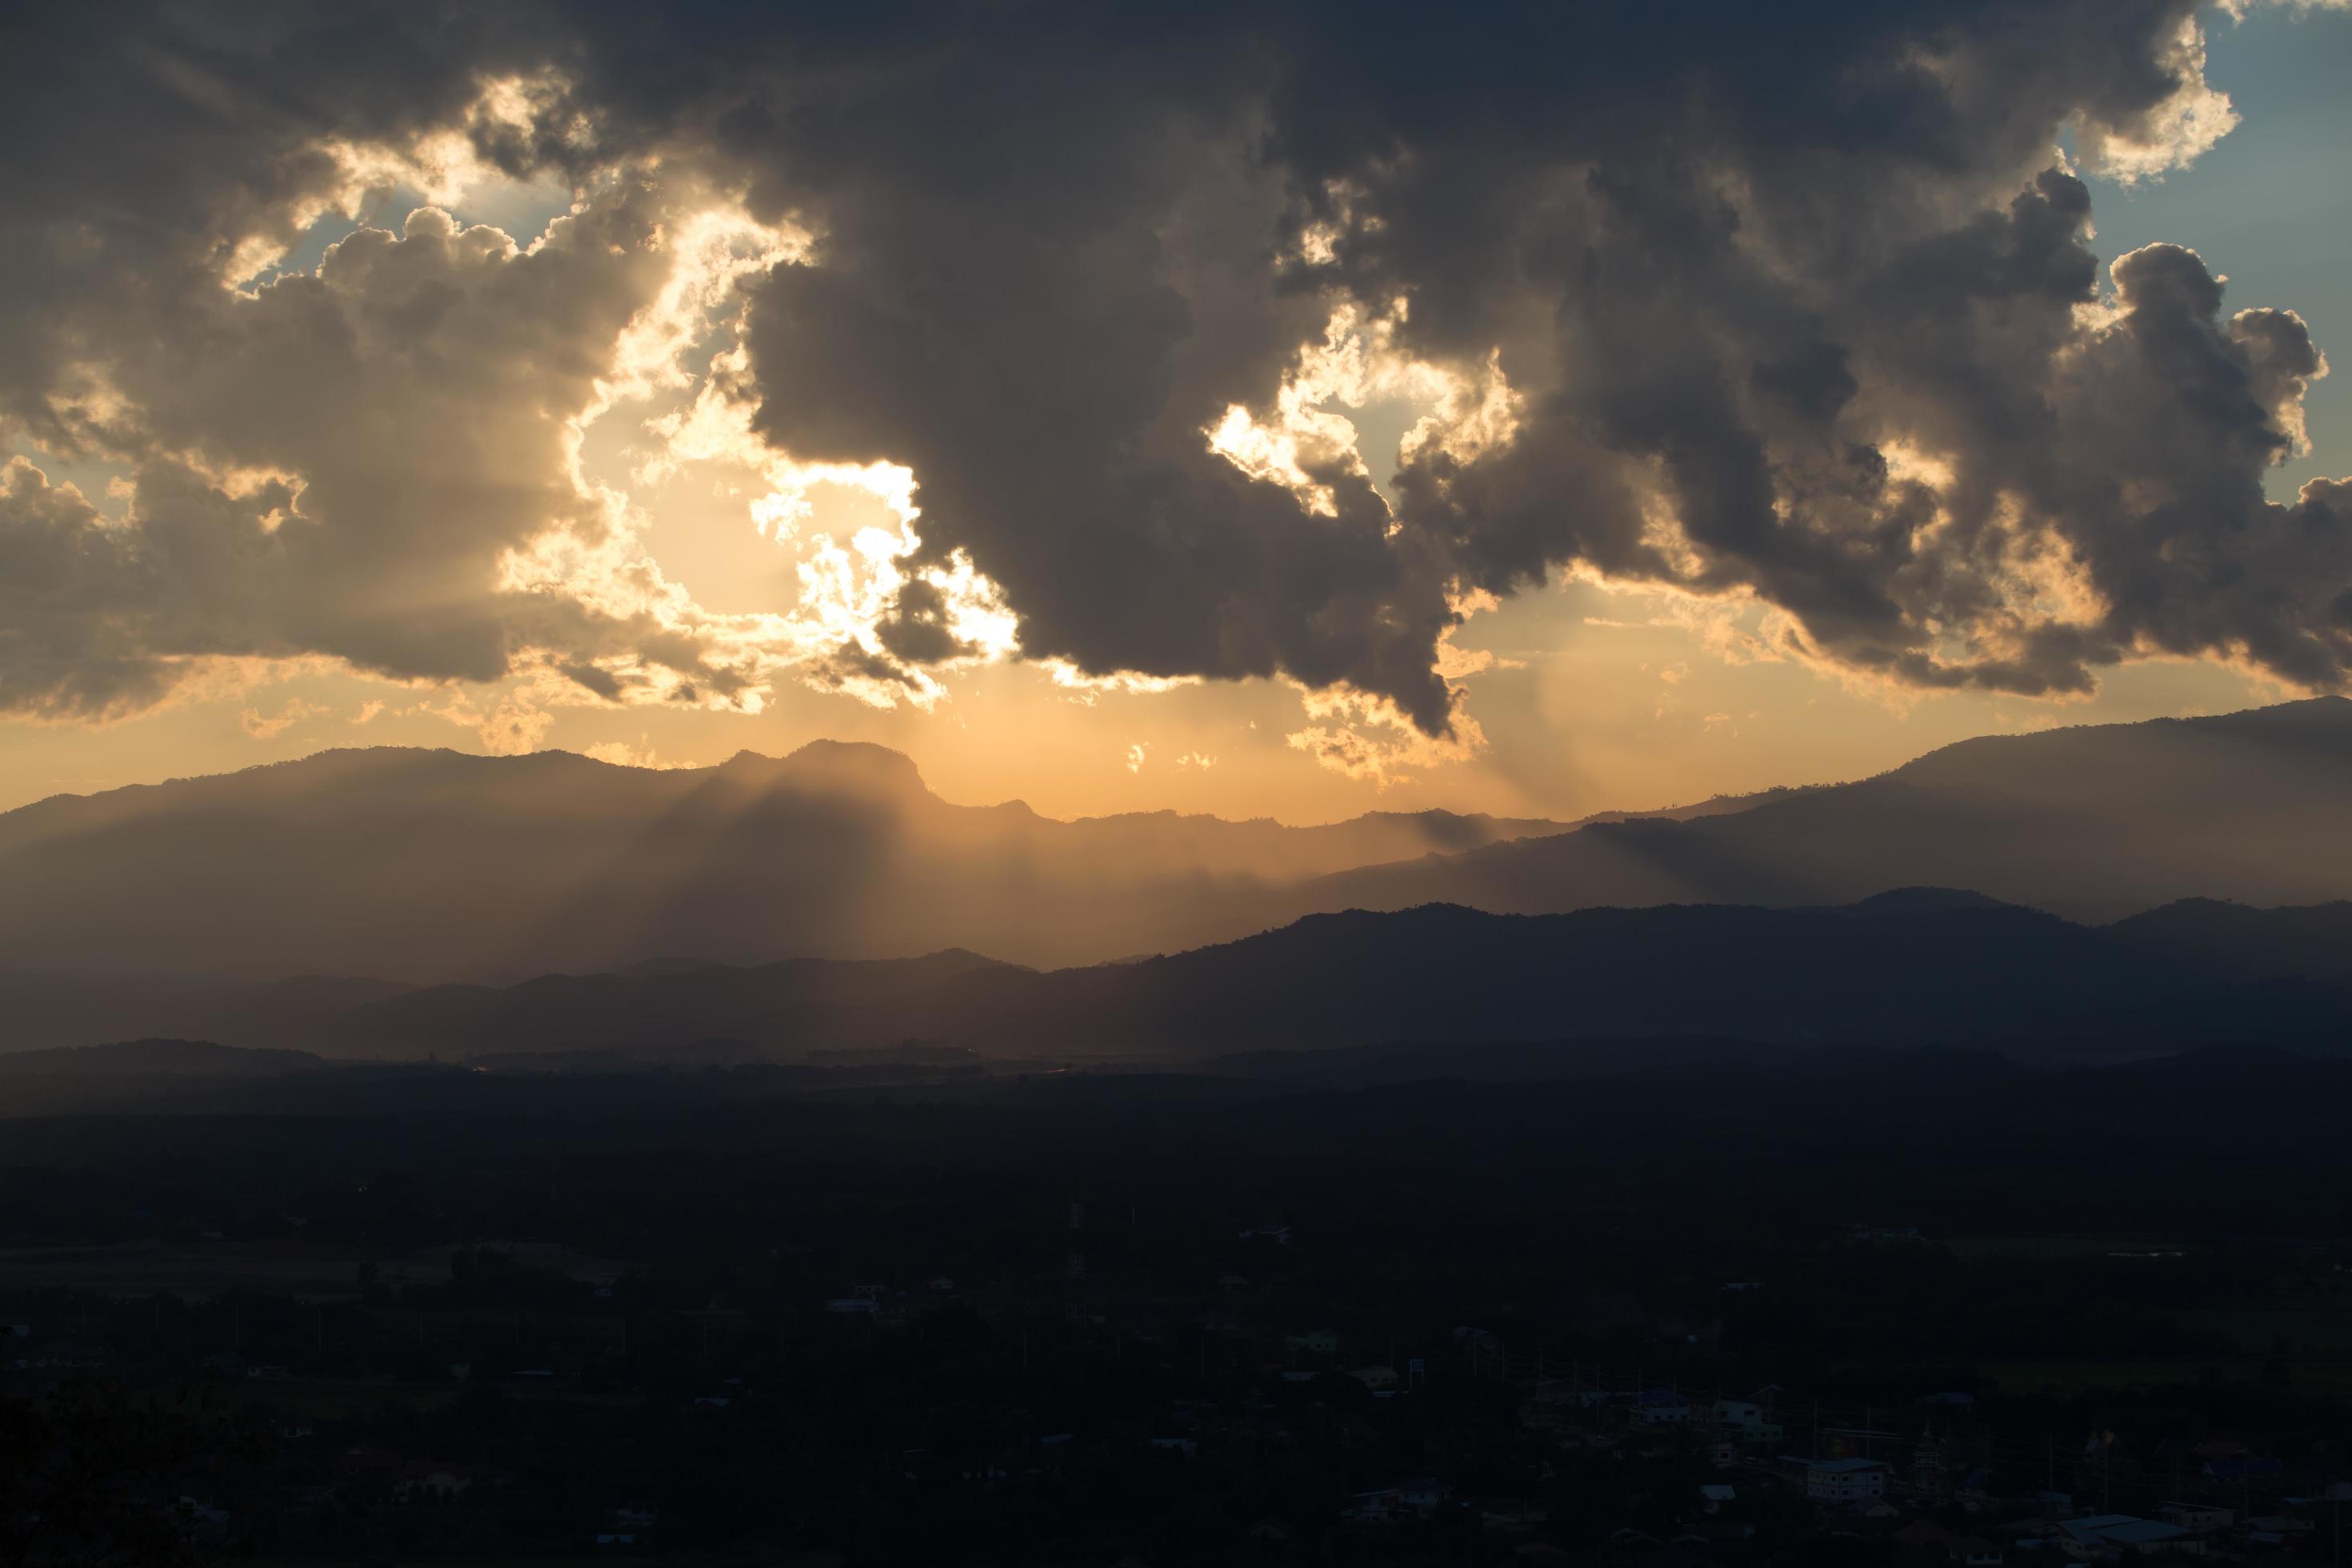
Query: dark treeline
x=1075, y=1316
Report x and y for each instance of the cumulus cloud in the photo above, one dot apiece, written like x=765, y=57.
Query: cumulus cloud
x=644, y=754
x=1791, y=320
x=1366, y=736
x=336, y=464
x=270, y=726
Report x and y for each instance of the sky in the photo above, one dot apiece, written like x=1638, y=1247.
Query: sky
x=1272, y=414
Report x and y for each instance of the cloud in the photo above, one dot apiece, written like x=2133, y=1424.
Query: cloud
x=515, y=724
x=621, y=754
x=1704, y=307
x=1365, y=736
x=335, y=464
x=269, y=727
x=1136, y=752
x=1792, y=320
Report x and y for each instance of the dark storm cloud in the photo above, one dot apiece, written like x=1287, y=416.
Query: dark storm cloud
x=1795, y=303
x=335, y=465
x=336, y=468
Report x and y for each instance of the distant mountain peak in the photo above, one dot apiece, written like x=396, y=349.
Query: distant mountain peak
x=1925, y=900
x=860, y=762
x=858, y=768
x=2327, y=718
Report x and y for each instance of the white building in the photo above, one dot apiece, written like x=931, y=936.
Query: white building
x=1842, y=1480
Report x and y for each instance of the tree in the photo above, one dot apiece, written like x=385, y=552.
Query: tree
x=87, y=1473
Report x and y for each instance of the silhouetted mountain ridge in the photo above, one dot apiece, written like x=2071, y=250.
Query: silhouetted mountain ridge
x=1952, y=970
x=440, y=865
x=157, y=1058
x=2093, y=823
x=1920, y=967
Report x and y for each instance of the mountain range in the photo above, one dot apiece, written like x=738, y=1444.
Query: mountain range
x=1914, y=967
x=427, y=867
x=2093, y=823
x=431, y=865
x=828, y=899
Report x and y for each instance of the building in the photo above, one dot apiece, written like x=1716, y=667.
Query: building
x=2196, y=1518
x=1966, y=1550
x=425, y=1479
x=1842, y=1480
x=1660, y=1407
x=2107, y=1535
x=1747, y=1418
x=1422, y=1494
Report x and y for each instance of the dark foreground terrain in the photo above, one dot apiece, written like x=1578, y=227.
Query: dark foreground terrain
x=1526, y=1303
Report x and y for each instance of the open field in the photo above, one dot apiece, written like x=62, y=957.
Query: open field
x=2302, y=1330
x=329, y=1399
x=195, y=1270
x=2061, y=1248
x=692, y=1559
x=2326, y=1378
